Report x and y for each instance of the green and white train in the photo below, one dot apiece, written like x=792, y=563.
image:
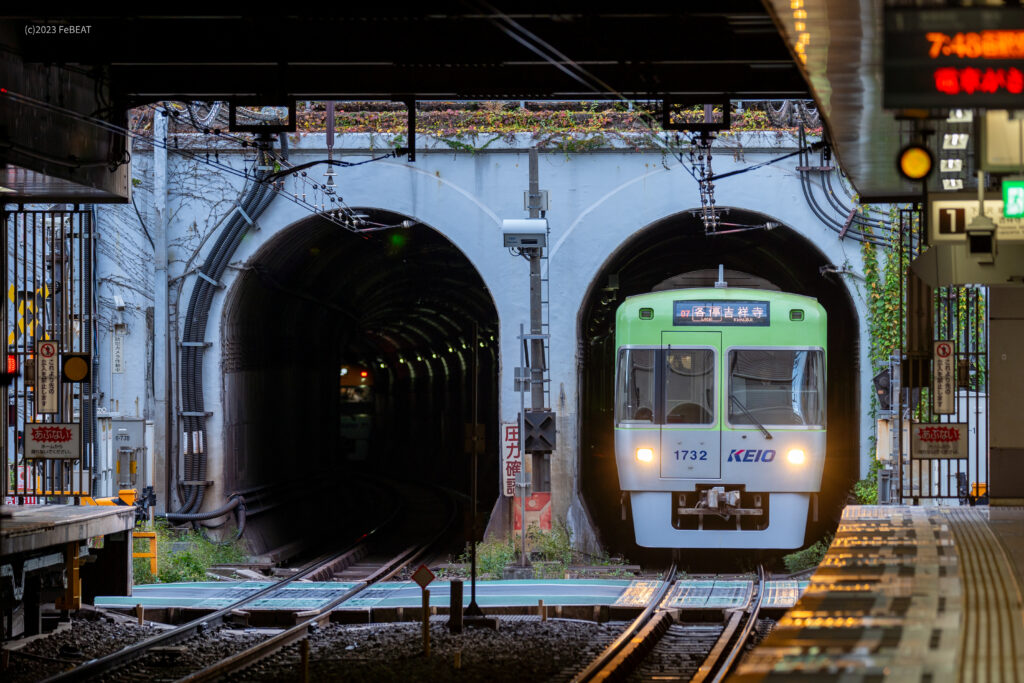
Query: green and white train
x=720, y=415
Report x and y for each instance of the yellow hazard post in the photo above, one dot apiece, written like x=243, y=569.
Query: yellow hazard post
x=151, y=553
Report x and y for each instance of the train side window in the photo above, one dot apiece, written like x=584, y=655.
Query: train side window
x=777, y=387
x=690, y=386
x=634, y=393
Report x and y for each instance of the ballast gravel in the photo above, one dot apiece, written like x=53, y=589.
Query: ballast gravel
x=517, y=651
x=89, y=637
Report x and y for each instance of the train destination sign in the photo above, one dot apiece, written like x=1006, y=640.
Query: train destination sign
x=721, y=312
x=953, y=57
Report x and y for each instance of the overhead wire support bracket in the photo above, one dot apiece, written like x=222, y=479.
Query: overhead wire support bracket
x=846, y=225
x=410, y=105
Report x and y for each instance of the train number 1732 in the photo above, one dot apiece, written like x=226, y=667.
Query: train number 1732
x=691, y=455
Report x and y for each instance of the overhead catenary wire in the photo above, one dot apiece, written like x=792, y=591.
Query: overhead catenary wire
x=186, y=152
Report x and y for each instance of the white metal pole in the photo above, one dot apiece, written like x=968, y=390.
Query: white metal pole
x=161, y=456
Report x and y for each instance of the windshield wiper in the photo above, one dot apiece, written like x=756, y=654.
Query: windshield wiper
x=746, y=412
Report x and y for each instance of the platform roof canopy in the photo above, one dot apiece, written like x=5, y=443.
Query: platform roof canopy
x=438, y=50
x=473, y=49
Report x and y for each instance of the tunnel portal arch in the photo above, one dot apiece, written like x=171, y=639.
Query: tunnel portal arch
x=404, y=305
x=678, y=244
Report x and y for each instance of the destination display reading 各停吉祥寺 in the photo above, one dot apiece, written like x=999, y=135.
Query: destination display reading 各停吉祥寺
x=723, y=312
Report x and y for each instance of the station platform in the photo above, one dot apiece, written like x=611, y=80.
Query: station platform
x=687, y=594
x=907, y=594
x=24, y=528
x=61, y=554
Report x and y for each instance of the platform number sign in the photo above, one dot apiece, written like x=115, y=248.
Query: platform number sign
x=952, y=221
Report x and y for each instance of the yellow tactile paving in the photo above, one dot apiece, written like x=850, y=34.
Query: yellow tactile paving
x=924, y=594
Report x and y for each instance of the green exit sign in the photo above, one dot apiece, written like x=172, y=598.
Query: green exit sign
x=1013, y=198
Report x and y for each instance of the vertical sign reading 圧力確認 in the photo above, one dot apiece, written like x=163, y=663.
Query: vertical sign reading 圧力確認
x=511, y=458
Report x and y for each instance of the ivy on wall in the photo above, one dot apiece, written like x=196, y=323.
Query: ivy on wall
x=883, y=273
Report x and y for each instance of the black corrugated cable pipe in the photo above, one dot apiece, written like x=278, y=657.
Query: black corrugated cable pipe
x=236, y=503
x=254, y=202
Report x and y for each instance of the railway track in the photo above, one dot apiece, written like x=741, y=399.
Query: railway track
x=184, y=653
x=654, y=647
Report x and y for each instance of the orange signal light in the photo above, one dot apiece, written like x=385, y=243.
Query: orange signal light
x=364, y=373
x=12, y=364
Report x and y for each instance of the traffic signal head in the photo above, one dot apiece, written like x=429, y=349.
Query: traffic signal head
x=74, y=367
x=915, y=162
x=883, y=388
x=10, y=370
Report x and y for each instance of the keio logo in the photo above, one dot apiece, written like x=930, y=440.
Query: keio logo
x=751, y=455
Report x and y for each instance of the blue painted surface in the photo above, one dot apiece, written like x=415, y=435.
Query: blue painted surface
x=316, y=594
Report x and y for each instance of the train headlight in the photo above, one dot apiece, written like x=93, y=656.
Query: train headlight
x=796, y=456
x=645, y=454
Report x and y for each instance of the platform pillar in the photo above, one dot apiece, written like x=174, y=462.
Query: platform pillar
x=1006, y=376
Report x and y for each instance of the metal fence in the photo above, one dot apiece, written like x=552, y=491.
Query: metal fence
x=956, y=317
x=49, y=270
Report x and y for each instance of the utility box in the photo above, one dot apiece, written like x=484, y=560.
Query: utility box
x=122, y=456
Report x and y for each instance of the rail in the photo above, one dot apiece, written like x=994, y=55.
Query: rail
x=317, y=567
x=245, y=658
x=727, y=649
x=622, y=649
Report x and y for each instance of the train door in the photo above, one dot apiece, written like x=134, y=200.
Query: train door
x=691, y=435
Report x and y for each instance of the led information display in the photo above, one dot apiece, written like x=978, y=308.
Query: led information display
x=715, y=312
x=953, y=57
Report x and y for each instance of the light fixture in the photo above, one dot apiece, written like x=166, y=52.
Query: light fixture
x=645, y=454
x=951, y=165
x=952, y=184
x=960, y=116
x=796, y=456
x=955, y=140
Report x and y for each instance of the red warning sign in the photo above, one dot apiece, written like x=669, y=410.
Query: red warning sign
x=538, y=511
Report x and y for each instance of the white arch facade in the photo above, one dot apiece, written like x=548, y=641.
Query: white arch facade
x=599, y=200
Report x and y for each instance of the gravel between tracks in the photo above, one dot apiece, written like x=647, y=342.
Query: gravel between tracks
x=517, y=651
x=88, y=638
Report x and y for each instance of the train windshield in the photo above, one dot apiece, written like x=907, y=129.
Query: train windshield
x=635, y=386
x=777, y=387
x=689, y=386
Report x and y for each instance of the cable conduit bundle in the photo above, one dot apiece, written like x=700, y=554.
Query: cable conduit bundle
x=251, y=205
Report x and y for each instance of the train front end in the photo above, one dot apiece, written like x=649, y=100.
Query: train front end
x=720, y=416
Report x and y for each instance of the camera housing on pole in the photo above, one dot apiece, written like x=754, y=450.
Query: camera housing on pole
x=525, y=233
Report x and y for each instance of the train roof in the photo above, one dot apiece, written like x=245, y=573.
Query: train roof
x=719, y=293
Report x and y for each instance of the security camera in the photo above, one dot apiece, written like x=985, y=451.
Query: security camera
x=525, y=233
x=981, y=239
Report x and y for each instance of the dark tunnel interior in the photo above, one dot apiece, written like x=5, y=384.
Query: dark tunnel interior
x=402, y=305
x=678, y=245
